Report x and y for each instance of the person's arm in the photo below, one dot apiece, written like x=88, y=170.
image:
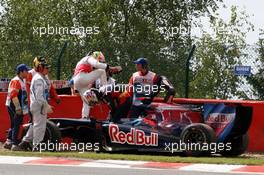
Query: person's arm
x=130, y=87
x=128, y=92
x=156, y=82
x=95, y=63
x=29, y=79
x=38, y=91
x=53, y=93
x=166, y=84
x=15, y=87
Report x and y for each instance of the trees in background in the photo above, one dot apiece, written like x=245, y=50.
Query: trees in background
x=158, y=30
x=125, y=30
x=216, y=56
x=257, y=80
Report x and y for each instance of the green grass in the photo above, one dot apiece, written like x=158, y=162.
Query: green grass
x=243, y=160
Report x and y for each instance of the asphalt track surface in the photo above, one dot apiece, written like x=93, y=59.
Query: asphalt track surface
x=14, y=169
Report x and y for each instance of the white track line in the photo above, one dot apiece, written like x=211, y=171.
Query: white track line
x=123, y=164
x=211, y=168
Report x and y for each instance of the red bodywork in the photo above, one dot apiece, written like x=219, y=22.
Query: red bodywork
x=71, y=108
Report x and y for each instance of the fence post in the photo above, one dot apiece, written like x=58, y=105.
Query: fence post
x=187, y=70
x=59, y=60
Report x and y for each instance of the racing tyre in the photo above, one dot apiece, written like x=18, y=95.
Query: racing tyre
x=52, y=134
x=195, y=137
x=238, y=146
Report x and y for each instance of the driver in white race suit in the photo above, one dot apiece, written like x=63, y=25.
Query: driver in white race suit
x=90, y=68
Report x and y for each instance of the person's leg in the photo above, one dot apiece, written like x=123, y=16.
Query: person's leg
x=122, y=110
x=103, y=77
x=28, y=138
x=83, y=82
x=30, y=117
x=18, y=119
x=39, y=127
x=8, y=142
x=29, y=135
x=112, y=103
x=11, y=113
x=86, y=79
x=136, y=111
x=85, y=108
x=97, y=74
x=85, y=111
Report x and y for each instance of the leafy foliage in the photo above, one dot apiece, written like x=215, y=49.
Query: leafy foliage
x=127, y=29
x=257, y=80
x=216, y=57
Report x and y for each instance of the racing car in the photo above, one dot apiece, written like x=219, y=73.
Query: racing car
x=191, y=129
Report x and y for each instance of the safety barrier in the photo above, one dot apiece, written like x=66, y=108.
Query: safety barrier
x=71, y=107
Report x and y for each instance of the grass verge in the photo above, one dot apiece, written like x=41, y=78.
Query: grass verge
x=242, y=160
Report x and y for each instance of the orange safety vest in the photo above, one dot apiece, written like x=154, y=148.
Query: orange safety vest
x=17, y=88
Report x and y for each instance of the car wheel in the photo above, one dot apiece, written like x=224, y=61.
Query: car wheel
x=194, y=137
x=239, y=145
x=52, y=133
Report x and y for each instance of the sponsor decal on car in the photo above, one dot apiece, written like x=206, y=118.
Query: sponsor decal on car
x=219, y=121
x=220, y=118
x=134, y=137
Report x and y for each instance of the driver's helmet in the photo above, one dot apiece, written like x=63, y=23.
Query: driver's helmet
x=40, y=61
x=99, y=56
x=90, y=97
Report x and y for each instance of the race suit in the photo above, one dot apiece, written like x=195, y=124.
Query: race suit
x=143, y=91
x=87, y=71
x=52, y=94
x=31, y=74
x=39, y=107
x=140, y=93
x=17, y=88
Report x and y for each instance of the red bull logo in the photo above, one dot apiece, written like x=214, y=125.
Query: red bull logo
x=218, y=121
x=134, y=137
x=220, y=118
